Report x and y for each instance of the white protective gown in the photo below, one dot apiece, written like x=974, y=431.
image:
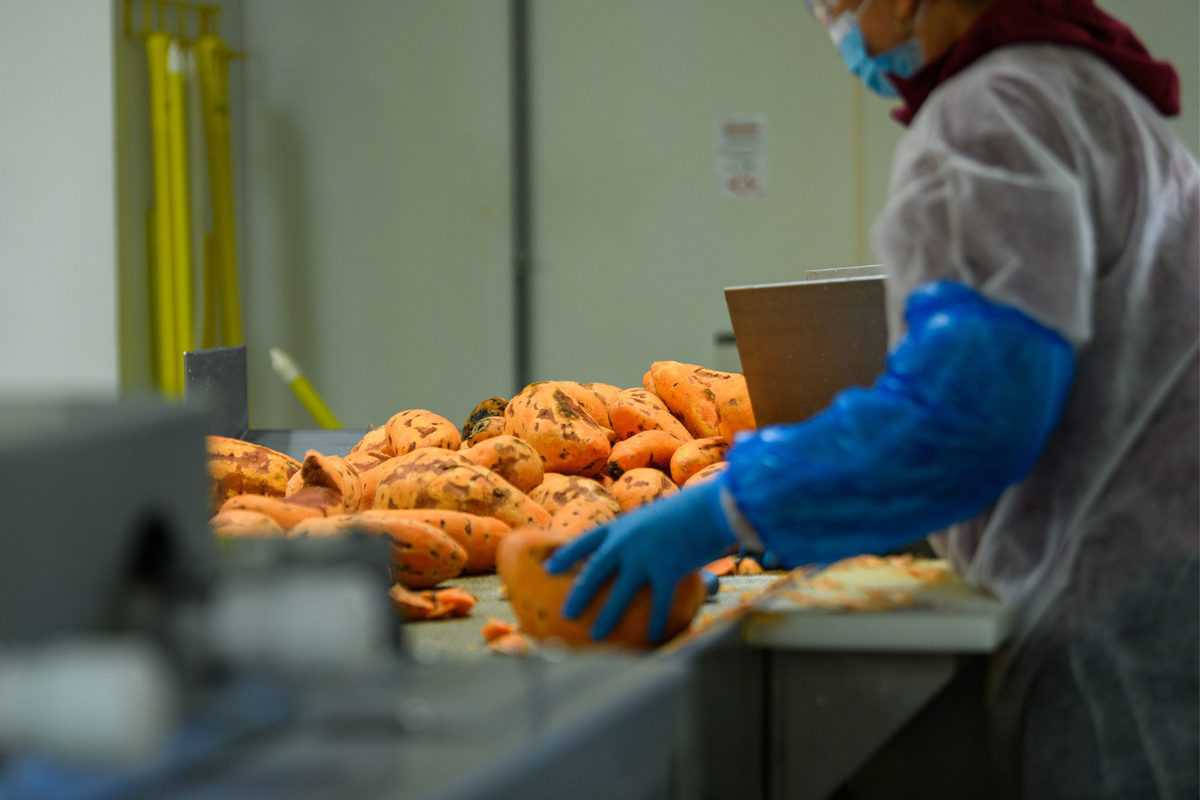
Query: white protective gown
x=1043, y=179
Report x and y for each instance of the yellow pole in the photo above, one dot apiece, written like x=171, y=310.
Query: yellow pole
x=166, y=352
x=181, y=205
x=208, y=335
x=212, y=64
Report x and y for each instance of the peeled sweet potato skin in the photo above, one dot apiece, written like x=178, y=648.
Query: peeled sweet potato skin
x=435, y=478
x=640, y=487
x=510, y=458
x=559, y=429
x=695, y=456
x=537, y=597
x=333, y=472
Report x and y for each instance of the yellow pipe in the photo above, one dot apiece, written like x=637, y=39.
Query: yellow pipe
x=165, y=351
x=181, y=205
x=212, y=63
x=208, y=334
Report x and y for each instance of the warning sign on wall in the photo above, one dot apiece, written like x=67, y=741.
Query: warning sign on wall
x=742, y=155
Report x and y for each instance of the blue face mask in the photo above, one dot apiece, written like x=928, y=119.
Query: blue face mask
x=903, y=61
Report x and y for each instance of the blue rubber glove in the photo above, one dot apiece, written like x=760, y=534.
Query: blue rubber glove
x=970, y=397
x=656, y=545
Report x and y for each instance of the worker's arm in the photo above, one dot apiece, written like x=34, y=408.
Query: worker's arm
x=968, y=400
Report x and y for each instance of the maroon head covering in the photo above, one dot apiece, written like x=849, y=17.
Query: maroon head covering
x=1072, y=23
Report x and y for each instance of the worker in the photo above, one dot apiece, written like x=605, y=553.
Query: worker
x=1039, y=408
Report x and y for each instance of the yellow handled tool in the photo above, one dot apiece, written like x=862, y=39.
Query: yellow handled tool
x=304, y=391
x=181, y=204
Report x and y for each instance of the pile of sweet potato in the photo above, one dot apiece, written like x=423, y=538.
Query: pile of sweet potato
x=519, y=478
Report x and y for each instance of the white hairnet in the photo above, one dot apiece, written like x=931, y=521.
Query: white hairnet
x=1044, y=180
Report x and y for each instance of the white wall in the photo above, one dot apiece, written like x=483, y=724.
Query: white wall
x=378, y=204
x=635, y=241
x=58, y=307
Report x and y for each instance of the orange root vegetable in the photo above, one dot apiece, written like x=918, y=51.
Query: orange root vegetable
x=236, y=467
x=432, y=604
x=583, y=514
x=374, y=439
x=707, y=474
x=333, y=472
x=695, y=456
x=433, y=478
x=537, y=597
x=286, y=514
x=646, y=449
x=410, y=430
x=235, y=523
x=733, y=401
x=648, y=381
x=558, y=490
x=510, y=458
x=608, y=393
x=483, y=411
x=591, y=401
x=486, y=428
x=722, y=566
x=687, y=397
x=364, y=460
x=638, y=410
x=494, y=628
x=422, y=555
x=748, y=566
x=479, y=536
x=511, y=644
x=640, y=487
x=559, y=429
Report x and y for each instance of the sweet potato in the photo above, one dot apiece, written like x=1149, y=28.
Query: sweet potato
x=236, y=467
x=286, y=514
x=484, y=410
x=433, y=478
x=410, y=430
x=323, y=527
x=558, y=428
x=364, y=460
x=374, y=439
x=646, y=449
x=648, y=381
x=511, y=644
x=486, y=428
x=695, y=456
x=710, y=402
x=722, y=566
x=638, y=410
x=688, y=398
x=591, y=401
x=234, y=523
x=748, y=566
x=537, y=597
x=494, y=628
x=558, y=490
x=510, y=458
x=707, y=474
x=640, y=487
x=333, y=472
x=432, y=604
x=608, y=393
x=583, y=514
x=479, y=536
